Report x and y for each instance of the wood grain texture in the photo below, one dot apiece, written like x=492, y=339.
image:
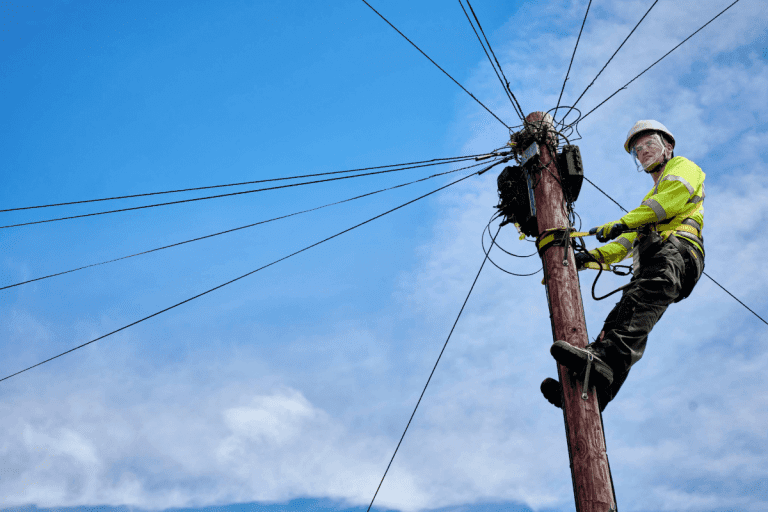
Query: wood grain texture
x=590, y=472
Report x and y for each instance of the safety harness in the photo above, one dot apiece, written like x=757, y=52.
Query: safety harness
x=563, y=237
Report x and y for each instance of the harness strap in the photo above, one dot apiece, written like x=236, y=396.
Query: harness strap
x=659, y=226
x=554, y=236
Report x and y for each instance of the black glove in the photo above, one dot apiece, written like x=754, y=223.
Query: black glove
x=608, y=231
x=582, y=258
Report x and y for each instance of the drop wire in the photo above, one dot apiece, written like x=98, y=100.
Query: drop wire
x=436, y=64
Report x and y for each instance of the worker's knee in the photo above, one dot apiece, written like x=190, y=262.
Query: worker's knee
x=633, y=314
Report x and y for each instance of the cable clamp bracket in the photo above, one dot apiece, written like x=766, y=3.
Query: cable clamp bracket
x=494, y=164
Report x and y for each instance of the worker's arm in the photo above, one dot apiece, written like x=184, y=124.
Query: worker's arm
x=681, y=180
x=616, y=250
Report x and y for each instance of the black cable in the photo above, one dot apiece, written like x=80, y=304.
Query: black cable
x=440, y=160
x=649, y=67
x=606, y=195
x=487, y=55
x=435, y=63
x=505, y=84
x=239, y=228
x=488, y=252
x=732, y=295
x=488, y=228
x=220, y=195
x=241, y=277
x=430, y=377
x=573, y=55
x=710, y=277
x=609, y=60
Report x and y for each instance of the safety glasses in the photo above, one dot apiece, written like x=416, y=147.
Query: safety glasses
x=652, y=143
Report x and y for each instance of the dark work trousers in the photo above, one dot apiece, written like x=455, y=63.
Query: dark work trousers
x=667, y=273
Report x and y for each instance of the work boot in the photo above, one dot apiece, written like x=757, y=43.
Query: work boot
x=575, y=359
x=550, y=388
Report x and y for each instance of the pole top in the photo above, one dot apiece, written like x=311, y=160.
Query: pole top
x=540, y=119
x=541, y=125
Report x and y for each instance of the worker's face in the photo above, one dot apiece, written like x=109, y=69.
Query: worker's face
x=649, y=150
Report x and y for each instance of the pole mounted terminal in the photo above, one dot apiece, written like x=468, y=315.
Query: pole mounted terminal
x=516, y=201
x=571, y=172
x=516, y=184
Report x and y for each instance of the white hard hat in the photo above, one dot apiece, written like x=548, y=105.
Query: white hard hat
x=647, y=126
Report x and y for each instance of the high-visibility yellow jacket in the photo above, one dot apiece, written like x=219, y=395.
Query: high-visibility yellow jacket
x=677, y=196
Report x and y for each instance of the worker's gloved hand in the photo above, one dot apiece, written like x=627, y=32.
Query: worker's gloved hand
x=581, y=259
x=608, y=231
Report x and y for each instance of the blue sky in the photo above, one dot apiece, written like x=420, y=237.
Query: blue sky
x=288, y=390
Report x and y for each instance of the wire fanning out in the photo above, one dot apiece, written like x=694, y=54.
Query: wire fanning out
x=562, y=130
x=504, y=82
x=649, y=67
x=225, y=195
x=606, y=195
x=430, y=376
x=239, y=228
x=246, y=275
x=573, y=55
x=437, y=161
x=436, y=64
x=606, y=64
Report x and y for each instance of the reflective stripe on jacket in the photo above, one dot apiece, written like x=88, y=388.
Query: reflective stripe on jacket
x=678, y=195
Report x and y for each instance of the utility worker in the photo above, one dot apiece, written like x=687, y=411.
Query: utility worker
x=668, y=258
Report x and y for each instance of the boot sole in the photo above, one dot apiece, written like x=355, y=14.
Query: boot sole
x=576, y=360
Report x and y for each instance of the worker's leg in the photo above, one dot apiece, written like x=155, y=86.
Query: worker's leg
x=605, y=395
x=657, y=284
x=622, y=341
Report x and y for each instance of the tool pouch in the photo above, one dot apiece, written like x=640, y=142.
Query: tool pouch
x=644, y=249
x=694, y=266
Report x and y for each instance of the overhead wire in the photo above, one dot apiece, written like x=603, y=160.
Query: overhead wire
x=649, y=67
x=430, y=376
x=222, y=195
x=710, y=277
x=487, y=55
x=247, y=274
x=609, y=61
x=573, y=55
x=605, y=194
x=437, y=161
x=487, y=228
x=504, y=83
x=239, y=228
x=732, y=295
x=494, y=243
x=520, y=111
x=436, y=64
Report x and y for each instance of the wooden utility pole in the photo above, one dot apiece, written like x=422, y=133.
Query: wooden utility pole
x=592, y=486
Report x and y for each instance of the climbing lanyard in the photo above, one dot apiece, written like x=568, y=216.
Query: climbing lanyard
x=560, y=237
